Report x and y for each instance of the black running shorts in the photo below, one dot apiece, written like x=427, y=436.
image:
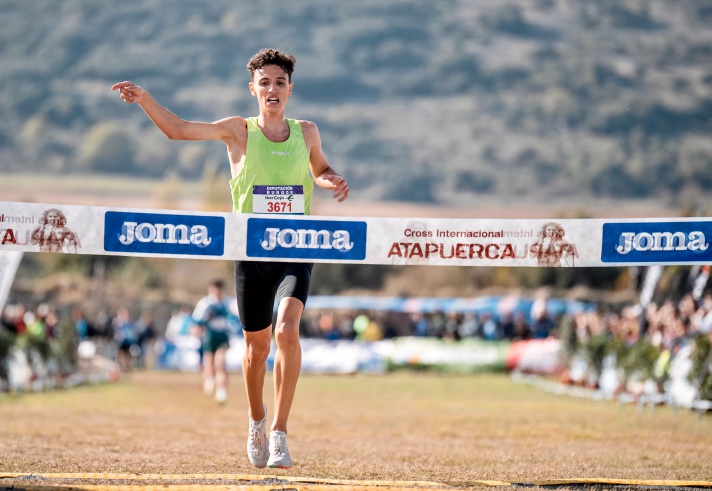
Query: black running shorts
x=259, y=283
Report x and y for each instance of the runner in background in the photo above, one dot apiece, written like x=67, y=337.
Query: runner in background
x=210, y=320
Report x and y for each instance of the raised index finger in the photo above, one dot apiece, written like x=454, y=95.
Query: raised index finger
x=121, y=85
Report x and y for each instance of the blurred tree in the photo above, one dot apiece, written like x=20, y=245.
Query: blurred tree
x=108, y=148
x=413, y=187
x=475, y=182
x=505, y=17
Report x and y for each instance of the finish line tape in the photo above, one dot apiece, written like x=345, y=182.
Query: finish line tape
x=33, y=227
x=27, y=481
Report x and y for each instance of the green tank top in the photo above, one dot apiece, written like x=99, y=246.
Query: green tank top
x=273, y=171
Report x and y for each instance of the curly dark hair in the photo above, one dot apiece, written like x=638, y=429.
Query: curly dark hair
x=268, y=56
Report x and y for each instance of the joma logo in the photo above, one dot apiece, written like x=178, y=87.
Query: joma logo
x=165, y=233
x=662, y=241
x=161, y=233
x=306, y=239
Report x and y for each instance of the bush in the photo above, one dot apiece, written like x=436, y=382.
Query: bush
x=7, y=341
x=700, y=375
x=108, y=148
x=640, y=359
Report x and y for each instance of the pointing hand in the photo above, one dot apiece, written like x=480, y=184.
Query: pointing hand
x=130, y=92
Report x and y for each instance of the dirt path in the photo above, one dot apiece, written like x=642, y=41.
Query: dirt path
x=398, y=427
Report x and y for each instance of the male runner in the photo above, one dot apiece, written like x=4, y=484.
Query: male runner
x=267, y=150
x=211, y=316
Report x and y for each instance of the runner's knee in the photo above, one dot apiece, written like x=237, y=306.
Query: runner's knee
x=257, y=351
x=286, y=332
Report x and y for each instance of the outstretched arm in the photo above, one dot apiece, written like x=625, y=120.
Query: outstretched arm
x=174, y=127
x=324, y=176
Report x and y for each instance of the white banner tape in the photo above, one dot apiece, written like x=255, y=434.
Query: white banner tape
x=33, y=227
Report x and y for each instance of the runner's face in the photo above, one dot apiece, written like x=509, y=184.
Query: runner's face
x=272, y=87
x=52, y=218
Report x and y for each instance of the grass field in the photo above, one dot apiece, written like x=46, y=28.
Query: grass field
x=397, y=427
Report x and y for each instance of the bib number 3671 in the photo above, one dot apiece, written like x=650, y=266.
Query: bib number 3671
x=288, y=200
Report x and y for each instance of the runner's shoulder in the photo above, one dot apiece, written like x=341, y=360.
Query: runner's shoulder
x=307, y=125
x=236, y=125
x=309, y=130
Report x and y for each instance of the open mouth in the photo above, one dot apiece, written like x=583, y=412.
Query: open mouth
x=273, y=99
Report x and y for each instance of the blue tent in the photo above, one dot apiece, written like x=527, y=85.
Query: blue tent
x=496, y=306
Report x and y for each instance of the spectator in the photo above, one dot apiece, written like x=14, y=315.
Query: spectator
x=51, y=322
x=81, y=324
x=436, y=327
x=373, y=331
x=489, y=328
x=18, y=320
x=420, y=324
x=542, y=326
x=521, y=330
x=178, y=324
x=327, y=326
x=346, y=327
x=125, y=338
x=452, y=326
x=470, y=326
x=146, y=341
x=360, y=324
x=35, y=325
x=508, y=326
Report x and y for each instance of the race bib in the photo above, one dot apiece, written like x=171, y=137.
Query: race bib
x=284, y=200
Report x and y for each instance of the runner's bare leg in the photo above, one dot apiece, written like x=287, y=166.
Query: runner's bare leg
x=254, y=368
x=288, y=360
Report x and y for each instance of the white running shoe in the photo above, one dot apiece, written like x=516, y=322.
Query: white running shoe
x=221, y=395
x=278, y=452
x=257, y=447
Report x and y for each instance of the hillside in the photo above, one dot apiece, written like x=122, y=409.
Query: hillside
x=453, y=102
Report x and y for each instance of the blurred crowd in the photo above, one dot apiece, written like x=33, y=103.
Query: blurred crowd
x=135, y=341
x=117, y=335
x=666, y=325
x=620, y=351
x=369, y=325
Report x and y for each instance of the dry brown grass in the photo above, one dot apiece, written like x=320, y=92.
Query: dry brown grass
x=402, y=426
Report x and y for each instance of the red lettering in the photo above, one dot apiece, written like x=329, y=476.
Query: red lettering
x=406, y=247
x=395, y=250
x=9, y=237
x=478, y=248
x=489, y=248
x=508, y=251
x=431, y=248
x=417, y=251
x=442, y=252
x=460, y=251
